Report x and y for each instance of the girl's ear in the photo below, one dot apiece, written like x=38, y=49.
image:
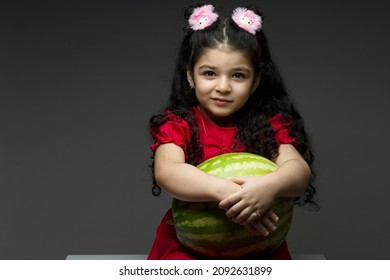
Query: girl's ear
x=256, y=83
x=190, y=79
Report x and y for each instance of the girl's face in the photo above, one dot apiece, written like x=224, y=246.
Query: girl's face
x=223, y=80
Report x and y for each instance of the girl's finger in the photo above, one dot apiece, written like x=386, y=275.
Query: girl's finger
x=244, y=217
x=250, y=227
x=272, y=216
x=238, y=180
x=268, y=224
x=229, y=201
x=260, y=228
x=252, y=217
x=235, y=210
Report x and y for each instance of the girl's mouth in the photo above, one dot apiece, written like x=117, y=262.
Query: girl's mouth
x=221, y=101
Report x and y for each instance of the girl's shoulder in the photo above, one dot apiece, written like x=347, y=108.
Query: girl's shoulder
x=173, y=129
x=282, y=129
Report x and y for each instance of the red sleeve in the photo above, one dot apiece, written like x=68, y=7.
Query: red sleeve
x=281, y=128
x=174, y=130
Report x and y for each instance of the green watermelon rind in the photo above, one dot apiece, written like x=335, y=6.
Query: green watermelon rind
x=215, y=165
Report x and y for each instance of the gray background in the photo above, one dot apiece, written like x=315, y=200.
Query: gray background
x=80, y=79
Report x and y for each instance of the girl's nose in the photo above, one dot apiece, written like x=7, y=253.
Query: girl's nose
x=223, y=85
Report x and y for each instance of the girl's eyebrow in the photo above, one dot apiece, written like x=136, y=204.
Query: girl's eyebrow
x=207, y=66
x=238, y=68
x=245, y=69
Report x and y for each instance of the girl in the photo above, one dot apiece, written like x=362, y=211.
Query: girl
x=227, y=96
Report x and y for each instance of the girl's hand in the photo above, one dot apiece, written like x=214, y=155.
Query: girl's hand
x=265, y=224
x=255, y=196
x=257, y=193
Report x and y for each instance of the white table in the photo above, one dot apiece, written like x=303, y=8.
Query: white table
x=143, y=257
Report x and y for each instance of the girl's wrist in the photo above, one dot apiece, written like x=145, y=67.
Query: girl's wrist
x=274, y=184
x=224, y=188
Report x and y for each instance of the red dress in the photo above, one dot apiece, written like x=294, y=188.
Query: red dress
x=215, y=141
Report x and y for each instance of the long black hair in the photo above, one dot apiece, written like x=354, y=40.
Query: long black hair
x=269, y=99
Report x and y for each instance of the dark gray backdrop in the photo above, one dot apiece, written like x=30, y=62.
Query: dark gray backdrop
x=79, y=80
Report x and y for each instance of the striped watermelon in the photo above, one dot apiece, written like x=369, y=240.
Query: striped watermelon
x=204, y=229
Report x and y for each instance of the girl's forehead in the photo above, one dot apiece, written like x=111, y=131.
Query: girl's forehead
x=221, y=54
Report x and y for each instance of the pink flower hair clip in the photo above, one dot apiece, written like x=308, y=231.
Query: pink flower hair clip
x=202, y=17
x=247, y=20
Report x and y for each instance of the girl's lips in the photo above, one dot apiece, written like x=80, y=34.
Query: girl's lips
x=221, y=100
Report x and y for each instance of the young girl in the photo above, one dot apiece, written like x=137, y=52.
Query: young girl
x=227, y=96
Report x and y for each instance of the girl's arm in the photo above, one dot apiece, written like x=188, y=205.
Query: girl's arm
x=293, y=174
x=257, y=194
x=186, y=182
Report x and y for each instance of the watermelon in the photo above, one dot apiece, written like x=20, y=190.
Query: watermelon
x=203, y=228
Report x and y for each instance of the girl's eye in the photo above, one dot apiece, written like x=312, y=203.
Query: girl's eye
x=209, y=73
x=238, y=75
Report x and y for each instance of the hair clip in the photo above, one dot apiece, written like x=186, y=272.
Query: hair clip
x=247, y=20
x=202, y=17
